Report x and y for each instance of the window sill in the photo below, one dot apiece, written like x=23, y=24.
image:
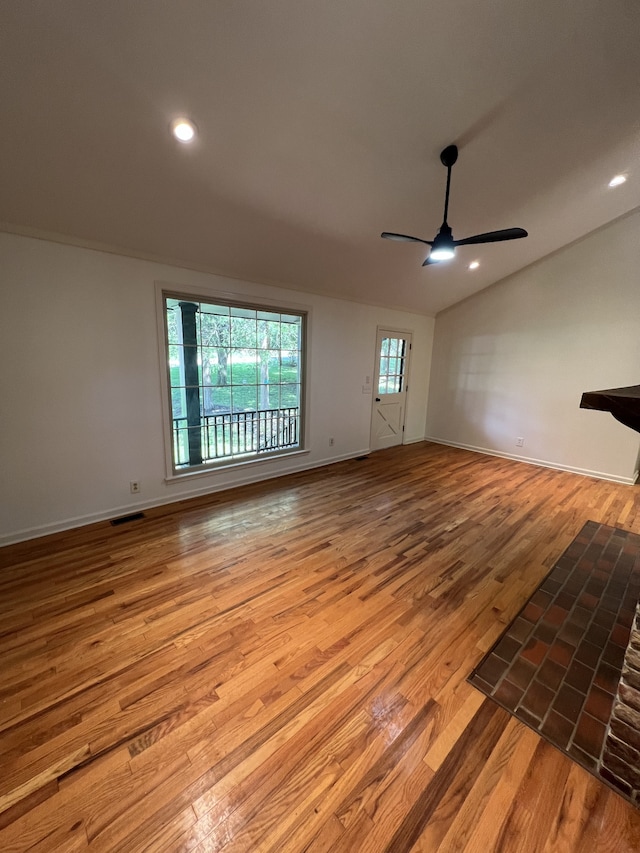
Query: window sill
x=217, y=468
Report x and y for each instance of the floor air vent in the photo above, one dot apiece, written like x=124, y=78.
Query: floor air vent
x=135, y=516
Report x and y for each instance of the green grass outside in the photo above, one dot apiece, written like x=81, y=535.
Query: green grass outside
x=242, y=379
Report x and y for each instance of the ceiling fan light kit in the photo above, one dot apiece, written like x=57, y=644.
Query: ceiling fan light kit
x=443, y=246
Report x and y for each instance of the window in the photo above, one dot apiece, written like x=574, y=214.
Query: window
x=235, y=379
x=391, y=368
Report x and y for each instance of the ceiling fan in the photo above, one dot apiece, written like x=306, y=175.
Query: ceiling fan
x=443, y=245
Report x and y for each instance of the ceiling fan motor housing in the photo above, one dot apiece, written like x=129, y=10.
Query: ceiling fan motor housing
x=444, y=238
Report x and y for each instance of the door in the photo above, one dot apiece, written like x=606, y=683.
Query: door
x=390, y=387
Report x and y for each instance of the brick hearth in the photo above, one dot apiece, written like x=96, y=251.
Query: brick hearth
x=568, y=665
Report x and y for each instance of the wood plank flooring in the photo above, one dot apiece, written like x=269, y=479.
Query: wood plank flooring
x=282, y=668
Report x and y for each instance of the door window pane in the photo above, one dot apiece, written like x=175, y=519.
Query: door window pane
x=391, y=372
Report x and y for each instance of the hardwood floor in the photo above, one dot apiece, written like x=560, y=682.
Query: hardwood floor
x=282, y=668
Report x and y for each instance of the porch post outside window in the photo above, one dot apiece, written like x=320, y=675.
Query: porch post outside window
x=191, y=380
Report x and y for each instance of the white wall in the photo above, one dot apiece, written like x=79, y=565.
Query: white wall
x=514, y=359
x=80, y=401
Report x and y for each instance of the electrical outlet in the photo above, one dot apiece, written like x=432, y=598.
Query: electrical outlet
x=134, y=486
x=519, y=441
x=331, y=442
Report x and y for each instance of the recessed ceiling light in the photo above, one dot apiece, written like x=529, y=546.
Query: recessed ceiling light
x=183, y=130
x=617, y=180
x=474, y=265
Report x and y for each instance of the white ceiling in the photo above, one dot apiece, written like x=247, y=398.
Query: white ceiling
x=320, y=126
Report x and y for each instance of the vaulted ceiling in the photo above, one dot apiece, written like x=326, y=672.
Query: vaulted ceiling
x=319, y=126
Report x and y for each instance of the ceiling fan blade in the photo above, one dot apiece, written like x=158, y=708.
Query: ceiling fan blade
x=404, y=238
x=492, y=237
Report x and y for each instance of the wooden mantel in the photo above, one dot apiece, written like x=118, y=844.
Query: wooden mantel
x=622, y=403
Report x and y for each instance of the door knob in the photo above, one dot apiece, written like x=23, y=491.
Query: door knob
x=377, y=399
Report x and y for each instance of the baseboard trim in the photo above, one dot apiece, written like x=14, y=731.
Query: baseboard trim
x=106, y=515
x=124, y=509
x=540, y=463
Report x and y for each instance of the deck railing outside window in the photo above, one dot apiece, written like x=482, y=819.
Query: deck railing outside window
x=230, y=434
